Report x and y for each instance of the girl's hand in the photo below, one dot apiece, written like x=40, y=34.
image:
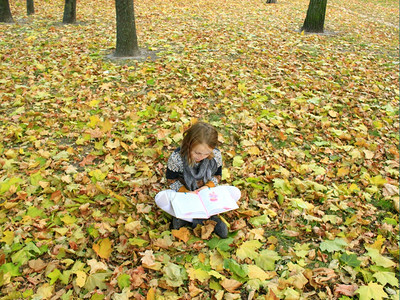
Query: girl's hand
x=202, y=188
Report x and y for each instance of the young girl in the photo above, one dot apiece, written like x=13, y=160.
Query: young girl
x=196, y=165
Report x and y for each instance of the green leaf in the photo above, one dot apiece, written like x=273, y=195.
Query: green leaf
x=221, y=244
x=97, y=280
x=283, y=186
x=7, y=184
x=54, y=275
x=372, y=291
x=10, y=268
x=34, y=212
x=336, y=245
x=260, y=220
x=266, y=260
x=379, y=259
x=248, y=249
x=237, y=161
x=35, y=178
x=138, y=242
x=174, y=274
x=387, y=277
x=124, y=280
x=350, y=260
x=235, y=268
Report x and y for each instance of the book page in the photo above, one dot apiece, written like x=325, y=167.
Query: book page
x=188, y=205
x=217, y=200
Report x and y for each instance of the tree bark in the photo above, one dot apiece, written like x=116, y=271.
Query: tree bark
x=5, y=12
x=271, y=1
x=127, y=44
x=69, y=12
x=315, y=18
x=30, y=8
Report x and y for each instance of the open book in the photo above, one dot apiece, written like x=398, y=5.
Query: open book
x=204, y=204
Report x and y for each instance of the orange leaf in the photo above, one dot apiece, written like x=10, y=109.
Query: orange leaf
x=343, y=172
x=103, y=248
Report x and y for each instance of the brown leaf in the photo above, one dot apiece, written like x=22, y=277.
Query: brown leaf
x=183, y=234
x=345, y=289
x=322, y=275
x=230, y=285
x=207, y=229
x=37, y=265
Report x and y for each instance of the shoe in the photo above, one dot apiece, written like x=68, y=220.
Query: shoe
x=178, y=223
x=220, y=229
x=197, y=222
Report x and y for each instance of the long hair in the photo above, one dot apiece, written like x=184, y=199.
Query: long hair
x=199, y=133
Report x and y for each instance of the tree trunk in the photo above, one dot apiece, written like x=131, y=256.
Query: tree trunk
x=5, y=12
x=271, y=1
x=30, y=8
x=127, y=44
x=69, y=12
x=315, y=18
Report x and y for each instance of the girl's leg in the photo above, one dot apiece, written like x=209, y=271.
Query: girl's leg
x=163, y=201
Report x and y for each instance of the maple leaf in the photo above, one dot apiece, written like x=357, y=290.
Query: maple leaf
x=386, y=277
x=379, y=259
x=345, y=289
x=372, y=291
x=248, y=249
x=183, y=234
x=337, y=244
x=174, y=274
x=103, y=248
x=230, y=285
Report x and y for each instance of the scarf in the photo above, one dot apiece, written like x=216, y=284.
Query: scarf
x=201, y=171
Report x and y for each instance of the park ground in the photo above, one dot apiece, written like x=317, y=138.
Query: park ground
x=308, y=129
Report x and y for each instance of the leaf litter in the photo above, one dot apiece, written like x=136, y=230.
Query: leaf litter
x=308, y=128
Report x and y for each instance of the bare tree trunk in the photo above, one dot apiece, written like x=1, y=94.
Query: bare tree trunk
x=271, y=1
x=315, y=18
x=30, y=8
x=5, y=12
x=127, y=44
x=69, y=12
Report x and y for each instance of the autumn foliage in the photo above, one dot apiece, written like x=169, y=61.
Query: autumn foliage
x=308, y=129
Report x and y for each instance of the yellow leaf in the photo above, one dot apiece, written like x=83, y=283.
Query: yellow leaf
x=80, y=278
x=254, y=150
x=343, y=172
x=93, y=121
x=103, y=248
x=198, y=274
x=377, y=180
x=225, y=174
x=94, y=103
x=106, y=125
x=8, y=237
x=256, y=272
x=354, y=188
x=151, y=294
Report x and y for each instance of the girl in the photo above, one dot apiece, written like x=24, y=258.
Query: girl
x=196, y=165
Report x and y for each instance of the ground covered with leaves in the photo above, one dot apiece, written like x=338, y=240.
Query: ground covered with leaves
x=308, y=128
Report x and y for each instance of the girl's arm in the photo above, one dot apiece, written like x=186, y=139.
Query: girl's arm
x=174, y=172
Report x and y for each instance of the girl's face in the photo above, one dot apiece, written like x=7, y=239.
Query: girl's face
x=200, y=152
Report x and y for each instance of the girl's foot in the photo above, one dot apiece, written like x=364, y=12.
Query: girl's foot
x=220, y=229
x=178, y=223
x=197, y=222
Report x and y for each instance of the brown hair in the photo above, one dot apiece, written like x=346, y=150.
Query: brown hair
x=199, y=133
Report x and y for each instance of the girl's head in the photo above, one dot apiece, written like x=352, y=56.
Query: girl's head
x=199, y=142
